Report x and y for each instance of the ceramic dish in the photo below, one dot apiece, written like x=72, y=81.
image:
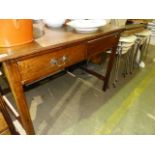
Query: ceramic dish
x=55, y=23
x=86, y=30
x=86, y=26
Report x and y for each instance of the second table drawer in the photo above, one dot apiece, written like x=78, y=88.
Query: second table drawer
x=39, y=66
x=98, y=45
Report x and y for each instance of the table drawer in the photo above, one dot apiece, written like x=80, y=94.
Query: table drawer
x=40, y=66
x=101, y=44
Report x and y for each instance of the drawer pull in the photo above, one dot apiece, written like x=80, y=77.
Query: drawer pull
x=62, y=61
x=64, y=58
x=59, y=62
x=54, y=61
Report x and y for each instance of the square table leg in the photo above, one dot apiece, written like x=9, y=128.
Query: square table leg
x=14, y=79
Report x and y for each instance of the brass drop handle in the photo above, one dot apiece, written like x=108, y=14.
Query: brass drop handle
x=54, y=61
x=62, y=61
x=65, y=58
x=59, y=62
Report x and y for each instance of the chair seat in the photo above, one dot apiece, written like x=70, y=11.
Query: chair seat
x=125, y=44
x=128, y=39
x=124, y=50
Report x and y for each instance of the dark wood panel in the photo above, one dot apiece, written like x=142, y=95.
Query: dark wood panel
x=101, y=44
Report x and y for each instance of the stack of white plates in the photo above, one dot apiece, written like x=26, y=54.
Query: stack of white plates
x=86, y=26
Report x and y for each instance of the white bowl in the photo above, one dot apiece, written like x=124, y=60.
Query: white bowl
x=55, y=23
x=91, y=23
x=86, y=26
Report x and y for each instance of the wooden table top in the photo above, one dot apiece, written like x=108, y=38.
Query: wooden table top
x=133, y=28
x=144, y=21
x=53, y=38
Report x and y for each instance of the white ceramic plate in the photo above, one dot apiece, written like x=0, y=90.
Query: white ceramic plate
x=125, y=44
x=128, y=39
x=86, y=26
x=86, y=30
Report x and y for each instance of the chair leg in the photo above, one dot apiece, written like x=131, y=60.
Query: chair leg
x=147, y=45
x=125, y=66
x=143, y=49
x=117, y=67
x=131, y=59
x=137, y=45
x=115, y=70
x=128, y=59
